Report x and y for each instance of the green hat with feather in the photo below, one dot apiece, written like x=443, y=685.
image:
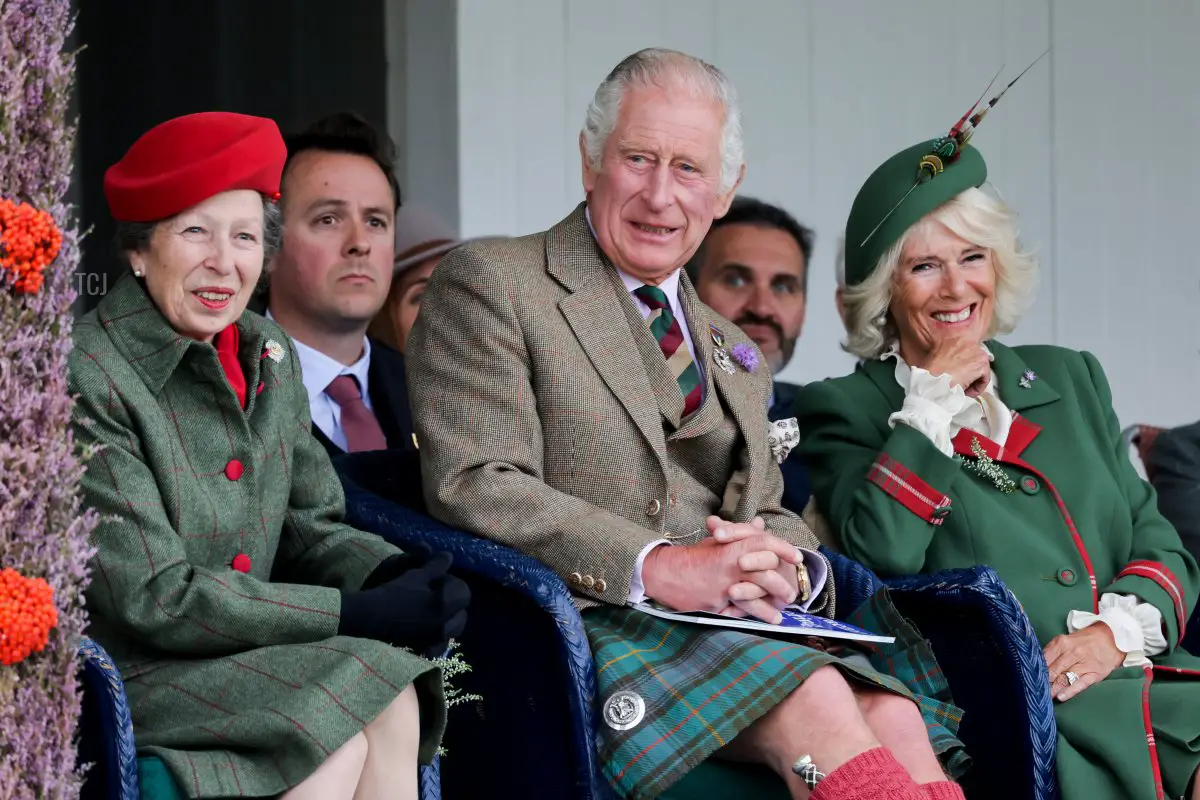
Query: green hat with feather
x=897, y=196
x=911, y=184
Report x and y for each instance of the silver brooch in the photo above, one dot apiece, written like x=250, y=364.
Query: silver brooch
x=274, y=350
x=1027, y=378
x=720, y=354
x=623, y=710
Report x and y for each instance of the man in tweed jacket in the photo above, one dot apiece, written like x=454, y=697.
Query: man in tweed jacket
x=553, y=419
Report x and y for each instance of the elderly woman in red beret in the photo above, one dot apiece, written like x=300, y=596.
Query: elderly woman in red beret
x=267, y=648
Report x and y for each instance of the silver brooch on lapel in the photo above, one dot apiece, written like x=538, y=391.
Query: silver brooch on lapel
x=624, y=710
x=274, y=351
x=1027, y=379
x=782, y=436
x=720, y=354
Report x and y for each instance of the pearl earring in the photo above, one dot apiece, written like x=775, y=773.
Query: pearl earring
x=881, y=320
x=137, y=273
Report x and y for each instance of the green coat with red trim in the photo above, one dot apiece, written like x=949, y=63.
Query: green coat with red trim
x=1078, y=523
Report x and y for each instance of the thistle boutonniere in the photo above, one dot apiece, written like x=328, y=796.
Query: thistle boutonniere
x=746, y=355
x=985, y=467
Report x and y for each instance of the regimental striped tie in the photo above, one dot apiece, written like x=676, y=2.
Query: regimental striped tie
x=666, y=330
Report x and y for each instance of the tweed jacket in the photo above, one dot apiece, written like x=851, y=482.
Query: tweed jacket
x=221, y=553
x=538, y=417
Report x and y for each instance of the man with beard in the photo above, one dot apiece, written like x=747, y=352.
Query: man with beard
x=752, y=269
x=332, y=275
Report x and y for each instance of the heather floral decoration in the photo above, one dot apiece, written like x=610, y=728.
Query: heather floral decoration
x=43, y=531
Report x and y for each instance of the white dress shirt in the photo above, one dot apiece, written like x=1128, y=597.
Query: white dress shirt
x=318, y=370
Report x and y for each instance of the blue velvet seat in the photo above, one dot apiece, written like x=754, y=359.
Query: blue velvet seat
x=533, y=734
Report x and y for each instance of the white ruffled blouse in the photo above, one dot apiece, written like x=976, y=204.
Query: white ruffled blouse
x=940, y=410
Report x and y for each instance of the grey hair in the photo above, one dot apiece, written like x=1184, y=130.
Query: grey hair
x=975, y=215
x=672, y=70
x=134, y=237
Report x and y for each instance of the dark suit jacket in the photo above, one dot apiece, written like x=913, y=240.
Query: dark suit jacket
x=388, y=389
x=1174, y=467
x=796, y=485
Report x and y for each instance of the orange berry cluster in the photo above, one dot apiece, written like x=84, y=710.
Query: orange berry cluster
x=27, y=614
x=29, y=242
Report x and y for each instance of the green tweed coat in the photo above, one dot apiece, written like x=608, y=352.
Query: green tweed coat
x=220, y=556
x=1078, y=523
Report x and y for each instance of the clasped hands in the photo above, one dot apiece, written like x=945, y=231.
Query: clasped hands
x=741, y=570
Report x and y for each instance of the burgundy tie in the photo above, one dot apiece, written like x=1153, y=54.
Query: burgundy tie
x=358, y=423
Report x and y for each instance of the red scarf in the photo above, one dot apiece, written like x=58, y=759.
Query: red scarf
x=227, y=343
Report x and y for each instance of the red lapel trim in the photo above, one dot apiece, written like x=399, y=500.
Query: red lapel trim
x=1025, y=433
x=1020, y=435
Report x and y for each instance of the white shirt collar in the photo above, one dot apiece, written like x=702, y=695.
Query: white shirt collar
x=318, y=370
x=670, y=286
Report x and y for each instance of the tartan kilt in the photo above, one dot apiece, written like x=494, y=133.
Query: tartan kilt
x=702, y=685
x=257, y=723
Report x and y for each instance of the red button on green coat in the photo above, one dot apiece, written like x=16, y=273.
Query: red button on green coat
x=234, y=470
x=1067, y=577
x=241, y=562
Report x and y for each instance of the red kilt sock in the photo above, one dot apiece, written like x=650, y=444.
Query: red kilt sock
x=873, y=775
x=942, y=790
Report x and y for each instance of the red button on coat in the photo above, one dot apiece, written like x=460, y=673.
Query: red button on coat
x=241, y=562
x=234, y=470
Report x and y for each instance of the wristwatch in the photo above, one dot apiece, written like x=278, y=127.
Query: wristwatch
x=804, y=582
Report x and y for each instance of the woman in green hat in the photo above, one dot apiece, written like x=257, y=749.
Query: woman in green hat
x=946, y=448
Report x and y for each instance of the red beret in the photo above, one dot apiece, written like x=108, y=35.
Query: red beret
x=187, y=160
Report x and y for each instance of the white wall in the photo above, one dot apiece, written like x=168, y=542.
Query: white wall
x=1096, y=147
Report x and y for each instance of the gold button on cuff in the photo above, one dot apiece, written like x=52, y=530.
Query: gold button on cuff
x=574, y=577
x=588, y=581
x=601, y=585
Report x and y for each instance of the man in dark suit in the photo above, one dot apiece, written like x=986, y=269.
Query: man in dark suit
x=752, y=268
x=1174, y=468
x=332, y=275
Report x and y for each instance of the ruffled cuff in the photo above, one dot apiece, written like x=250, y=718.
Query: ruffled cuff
x=1137, y=627
x=930, y=405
